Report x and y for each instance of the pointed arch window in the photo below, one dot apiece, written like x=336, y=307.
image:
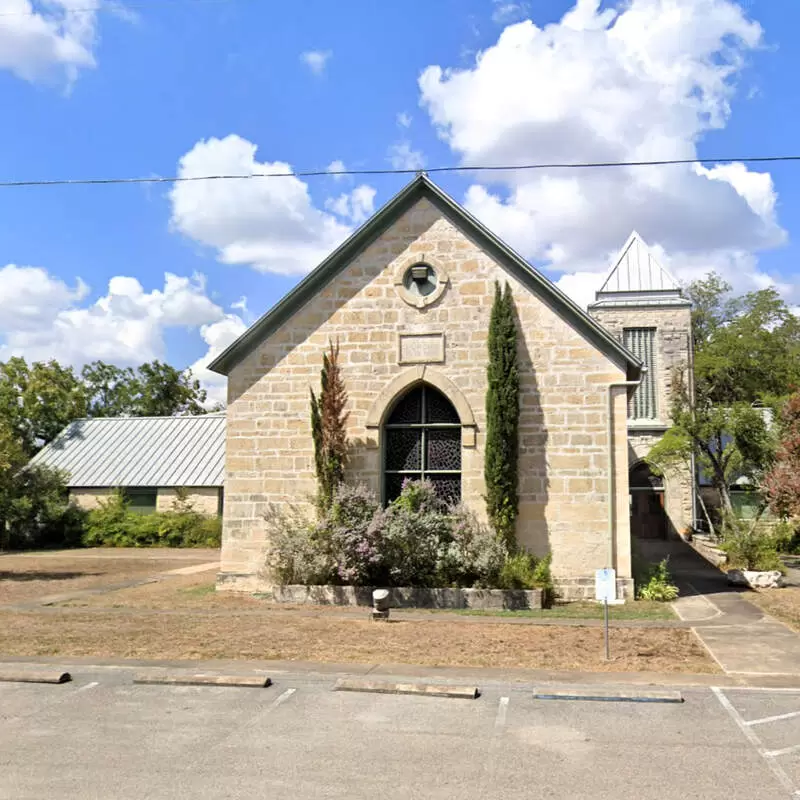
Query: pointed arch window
x=422, y=439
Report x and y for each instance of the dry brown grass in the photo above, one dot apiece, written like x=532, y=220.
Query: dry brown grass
x=192, y=635
x=27, y=577
x=781, y=603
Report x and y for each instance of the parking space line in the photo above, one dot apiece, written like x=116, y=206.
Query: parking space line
x=784, y=752
x=776, y=718
x=282, y=698
x=88, y=686
x=502, y=710
x=778, y=771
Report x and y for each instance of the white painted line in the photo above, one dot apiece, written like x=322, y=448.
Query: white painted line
x=88, y=686
x=502, y=711
x=776, y=768
x=282, y=698
x=762, y=689
x=194, y=569
x=776, y=718
x=784, y=752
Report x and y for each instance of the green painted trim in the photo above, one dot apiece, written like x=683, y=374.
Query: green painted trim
x=422, y=186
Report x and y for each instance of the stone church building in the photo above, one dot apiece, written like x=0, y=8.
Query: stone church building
x=408, y=296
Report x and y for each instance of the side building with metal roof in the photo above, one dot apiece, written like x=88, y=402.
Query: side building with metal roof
x=149, y=458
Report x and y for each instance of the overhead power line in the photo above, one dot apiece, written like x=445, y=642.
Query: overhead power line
x=315, y=173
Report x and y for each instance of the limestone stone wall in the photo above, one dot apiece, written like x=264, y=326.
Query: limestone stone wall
x=89, y=498
x=673, y=352
x=203, y=499
x=564, y=500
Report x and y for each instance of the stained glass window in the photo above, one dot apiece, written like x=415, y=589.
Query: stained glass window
x=422, y=439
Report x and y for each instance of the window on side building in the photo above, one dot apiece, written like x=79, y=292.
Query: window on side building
x=642, y=343
x=141, y=501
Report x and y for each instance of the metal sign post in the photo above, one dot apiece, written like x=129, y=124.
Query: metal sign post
x=605, y=590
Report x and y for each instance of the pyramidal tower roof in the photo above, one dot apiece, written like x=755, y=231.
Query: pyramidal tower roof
x=637, y=278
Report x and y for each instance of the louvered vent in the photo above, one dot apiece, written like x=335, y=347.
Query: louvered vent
x=642, y=343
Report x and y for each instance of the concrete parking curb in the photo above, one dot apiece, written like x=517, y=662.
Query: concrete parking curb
x=607, y=695
x=427, y=689
x=35, y=676
x=182, y=679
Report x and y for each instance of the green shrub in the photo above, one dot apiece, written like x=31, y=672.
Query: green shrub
x=787, y=537
x=113, y=524
x=750, y=545
x=524, y=571
x=35, y=507
x=655, y=583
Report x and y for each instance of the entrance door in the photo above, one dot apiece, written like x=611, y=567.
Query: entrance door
x=648, y=518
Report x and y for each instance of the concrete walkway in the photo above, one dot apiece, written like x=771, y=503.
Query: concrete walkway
x=740, y=637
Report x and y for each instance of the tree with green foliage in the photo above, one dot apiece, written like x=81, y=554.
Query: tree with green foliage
x=110, y=390
x=746, y=353
x=162, y=391
x=34, y=507
x=38, y=400
x=329, y=428
x=502, y=418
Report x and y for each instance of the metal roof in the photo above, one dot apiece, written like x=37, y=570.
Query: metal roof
x=139, y=451
x=637, y=278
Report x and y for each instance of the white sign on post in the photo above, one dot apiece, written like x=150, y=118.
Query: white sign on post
x=605, y=585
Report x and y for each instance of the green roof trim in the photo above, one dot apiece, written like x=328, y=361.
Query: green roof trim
x=418, y=188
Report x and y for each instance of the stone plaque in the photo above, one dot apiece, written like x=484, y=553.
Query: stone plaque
x=421, y=348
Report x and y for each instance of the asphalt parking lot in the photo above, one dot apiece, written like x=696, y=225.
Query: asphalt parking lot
x=101, y=736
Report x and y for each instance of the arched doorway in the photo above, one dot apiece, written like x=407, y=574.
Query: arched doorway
x=648, y=518
x=422, y=439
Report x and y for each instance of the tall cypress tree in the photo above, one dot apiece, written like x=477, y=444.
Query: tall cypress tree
x=502, y=418
x=329, y=427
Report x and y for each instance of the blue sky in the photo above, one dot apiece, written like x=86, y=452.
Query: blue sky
x=193, y=86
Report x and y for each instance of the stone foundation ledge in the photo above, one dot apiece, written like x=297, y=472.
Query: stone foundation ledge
x=573, y=589
x=402, y=597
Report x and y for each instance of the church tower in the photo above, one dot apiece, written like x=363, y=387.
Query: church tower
x=643, y=306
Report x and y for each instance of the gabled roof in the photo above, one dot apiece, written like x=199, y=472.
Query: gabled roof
x=637, y=277
x=421, y=186
x=139, y=451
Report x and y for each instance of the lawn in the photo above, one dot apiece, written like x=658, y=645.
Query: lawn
x=181, y=616
x=637, y=609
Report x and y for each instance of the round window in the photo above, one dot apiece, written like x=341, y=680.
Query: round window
x=420, y=280
x=420, y=284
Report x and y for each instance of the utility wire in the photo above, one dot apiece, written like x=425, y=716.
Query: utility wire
x=337, y=173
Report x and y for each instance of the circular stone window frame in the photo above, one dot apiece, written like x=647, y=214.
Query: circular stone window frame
x=418, y=300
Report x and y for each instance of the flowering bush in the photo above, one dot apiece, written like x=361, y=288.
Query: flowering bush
x=356, y=542
x=418, y=540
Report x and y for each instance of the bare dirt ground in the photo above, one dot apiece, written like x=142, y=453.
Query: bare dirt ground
x=781, y=603
x=181, y=616
x=31, y=576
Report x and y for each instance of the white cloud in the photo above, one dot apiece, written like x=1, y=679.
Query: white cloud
x=645, y=82
x=403, y=156
x=316, y=60
x=404, y=119
x=505, y=11
x=355, y=206
x=335, y=168
x=269, y=223
x=42, y=318
x=50, y=42
x=217, y=335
